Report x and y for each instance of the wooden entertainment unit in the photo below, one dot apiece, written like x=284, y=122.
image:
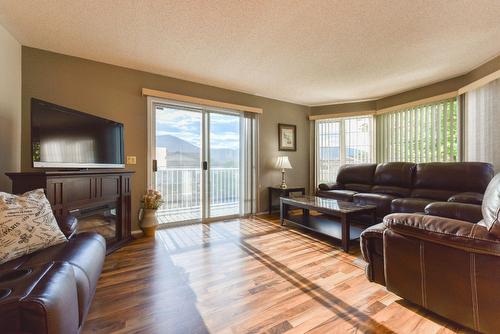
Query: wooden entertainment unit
x=100, y=199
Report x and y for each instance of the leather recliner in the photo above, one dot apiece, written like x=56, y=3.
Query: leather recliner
x=50, y=291
x=446, y=265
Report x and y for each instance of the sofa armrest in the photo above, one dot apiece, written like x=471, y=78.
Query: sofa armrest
x=372, y=249
x=460, y=211
x=448, y=232
x=467, y=197
x=68, y=225
x=330, y=186
x=44, y=300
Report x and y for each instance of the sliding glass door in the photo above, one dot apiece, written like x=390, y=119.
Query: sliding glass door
x=178, y=156
x=224, y=164
x=199, y=162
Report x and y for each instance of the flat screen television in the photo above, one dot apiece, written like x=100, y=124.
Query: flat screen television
x=69, y=139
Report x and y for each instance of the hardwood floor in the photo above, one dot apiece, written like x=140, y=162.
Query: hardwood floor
x=246, y=276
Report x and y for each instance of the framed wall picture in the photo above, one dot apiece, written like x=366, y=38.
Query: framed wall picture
x=287, y=137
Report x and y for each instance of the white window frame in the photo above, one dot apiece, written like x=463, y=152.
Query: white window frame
x=372, y=133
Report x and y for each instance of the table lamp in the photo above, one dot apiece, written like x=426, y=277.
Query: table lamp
x=283, y=163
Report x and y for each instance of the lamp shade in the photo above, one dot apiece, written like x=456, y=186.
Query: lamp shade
x=283, y=163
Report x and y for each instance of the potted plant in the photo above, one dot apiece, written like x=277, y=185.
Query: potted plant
x=151, y=201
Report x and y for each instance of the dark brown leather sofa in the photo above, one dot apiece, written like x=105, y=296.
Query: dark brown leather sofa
x=447, y=265
x=50, y=291
x=408, y=187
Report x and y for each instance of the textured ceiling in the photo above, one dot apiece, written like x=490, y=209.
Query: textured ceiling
x=305, y=51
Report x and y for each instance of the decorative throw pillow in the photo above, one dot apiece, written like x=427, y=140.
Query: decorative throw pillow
x=491, y=206
x=27, y=225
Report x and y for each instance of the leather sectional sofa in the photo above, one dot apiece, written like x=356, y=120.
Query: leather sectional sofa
x=50, y=291
x=445, y=264
x=451, y=189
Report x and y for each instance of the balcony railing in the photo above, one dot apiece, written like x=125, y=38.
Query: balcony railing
x=181, y=190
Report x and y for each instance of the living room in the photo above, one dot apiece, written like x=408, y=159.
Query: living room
x=244, y=167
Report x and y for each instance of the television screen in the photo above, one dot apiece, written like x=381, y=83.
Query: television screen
x=66, y=138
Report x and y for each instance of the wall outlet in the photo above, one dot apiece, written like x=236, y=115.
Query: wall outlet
x=131, y=160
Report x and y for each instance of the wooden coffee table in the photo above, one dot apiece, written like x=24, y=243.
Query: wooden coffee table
x=335, y=218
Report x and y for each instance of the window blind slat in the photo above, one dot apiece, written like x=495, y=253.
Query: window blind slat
x=397, y=141
x=433, y=130
x=389, y=138
x=438, y=133
x=414, y=139
x=391, y=145
x=450, y=147
x=445, y=132
x=405, y=135
x=386, y=151
x=428, y=134
x=421, y=142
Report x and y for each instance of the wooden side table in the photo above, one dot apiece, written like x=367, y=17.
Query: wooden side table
x=282, y=193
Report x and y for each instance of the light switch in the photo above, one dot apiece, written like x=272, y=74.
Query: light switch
x=131, y=160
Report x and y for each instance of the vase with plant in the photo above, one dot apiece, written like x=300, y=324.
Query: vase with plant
x=150, y=202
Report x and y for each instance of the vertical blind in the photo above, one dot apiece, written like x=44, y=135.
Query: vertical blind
x=420, y=134
x=482, y=116
x=342, y=141
x=249, y=131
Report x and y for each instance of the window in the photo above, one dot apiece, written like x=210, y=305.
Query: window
x=421, y=134
x=342, y=141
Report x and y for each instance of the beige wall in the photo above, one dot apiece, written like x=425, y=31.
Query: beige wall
x=115, y=92
x=441, y=87
x=10, y=107
x=344, y=108
x=483, y=70
x=438, y=88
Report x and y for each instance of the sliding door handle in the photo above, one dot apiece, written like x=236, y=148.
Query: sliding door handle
x=155, y=165
x=205, y=165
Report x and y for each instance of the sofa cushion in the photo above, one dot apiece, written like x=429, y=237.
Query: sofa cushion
x=35, y=259
x=435, y=194
x=491, y=206
x=27, y=225
x=393, y=178
x=392, y=190
x=453, y=176
x=410, y=205
x=359, y=187
x=339, y=195
x=467, y=197
x=356, y=174
x=397, y=174
x=453, y=210
x=382, y=201
x=329, y=186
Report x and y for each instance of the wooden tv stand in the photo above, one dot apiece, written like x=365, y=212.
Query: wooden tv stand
x=86, y=194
